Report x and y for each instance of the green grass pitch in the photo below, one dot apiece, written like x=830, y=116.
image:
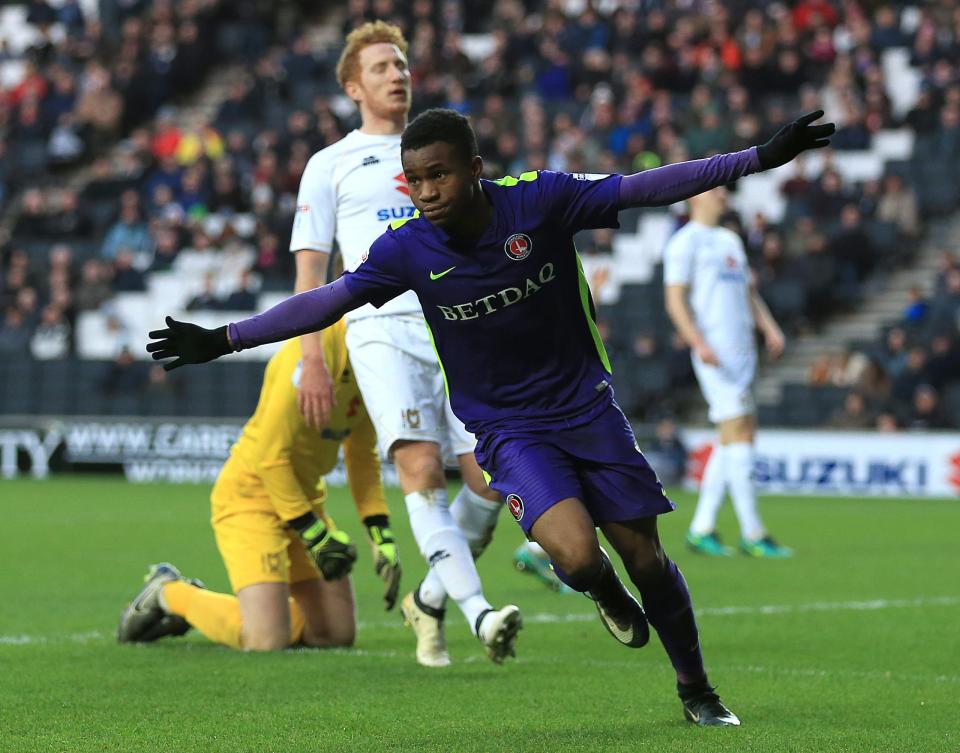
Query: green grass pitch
x=854, y=645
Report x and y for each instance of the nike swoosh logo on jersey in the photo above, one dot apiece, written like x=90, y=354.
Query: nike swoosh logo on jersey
x=438, y=276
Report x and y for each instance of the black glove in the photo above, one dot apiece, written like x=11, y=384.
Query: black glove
x=794, y=138
x=188, y=343
x=332, y=551
x=386, y=558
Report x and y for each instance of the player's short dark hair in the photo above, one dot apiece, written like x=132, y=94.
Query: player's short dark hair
x=439, y=124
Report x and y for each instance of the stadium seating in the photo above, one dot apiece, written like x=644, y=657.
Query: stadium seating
x=286, y=104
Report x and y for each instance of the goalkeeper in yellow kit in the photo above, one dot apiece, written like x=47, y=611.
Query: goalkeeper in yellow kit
x=288, y=564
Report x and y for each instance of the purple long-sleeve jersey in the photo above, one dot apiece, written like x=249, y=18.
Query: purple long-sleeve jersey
x=510, y=313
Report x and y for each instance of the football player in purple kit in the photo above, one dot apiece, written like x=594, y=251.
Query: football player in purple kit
x=503, y=293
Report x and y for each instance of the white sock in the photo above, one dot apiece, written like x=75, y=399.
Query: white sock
x=738, y=461
x=712, y=487
x=476, y=516
x=431, y=590
x=445, y=548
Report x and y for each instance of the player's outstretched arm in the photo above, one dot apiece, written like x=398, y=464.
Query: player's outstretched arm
x=188, y=343
x=305, y=312
x=671, y=183
x=795, y=138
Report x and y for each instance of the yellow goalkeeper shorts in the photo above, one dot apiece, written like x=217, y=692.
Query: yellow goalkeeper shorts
x=254, y=542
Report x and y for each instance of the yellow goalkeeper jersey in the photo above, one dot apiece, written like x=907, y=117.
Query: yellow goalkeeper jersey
x=284, y=461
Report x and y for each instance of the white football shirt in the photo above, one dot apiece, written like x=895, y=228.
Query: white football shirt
x=712, y=263
x=351, y=191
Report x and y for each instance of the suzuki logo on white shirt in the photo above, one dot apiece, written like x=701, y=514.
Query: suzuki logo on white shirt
x=390, y=214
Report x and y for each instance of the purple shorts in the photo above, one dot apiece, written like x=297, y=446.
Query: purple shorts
x=598, y=463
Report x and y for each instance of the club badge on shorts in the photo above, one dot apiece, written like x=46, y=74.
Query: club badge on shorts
x=515, y=506
x=518, y=246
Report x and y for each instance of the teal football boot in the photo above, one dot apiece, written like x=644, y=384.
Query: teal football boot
x=709, y=544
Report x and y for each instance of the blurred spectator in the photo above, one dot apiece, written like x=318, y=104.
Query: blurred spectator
x=32, y=221
x=94, y=286
x=945, y=263
x=227, y=195
x=887, y=423
x=811, y=14
x=199, y=258
x=161, y=384
x=898, y=204
x=99, y=106
x=851, y=246
x=128, y=233
x=945, y=309
x=52, y=338
x=167, y=248
x=14, y=334
x=852, y=133
x=207, y=299
x=943, y=364
x=818, y=272
x=126, y=278
x=244, y=298
x=65, y=147
x=917, y=308
x=71, y=16
x=238, y=107
x=61, y=263
x=926, y=411
x=843, y=369
x=193, y=193
x=644, y=347
x=827, y=196
x=874, y=384
x=166, y=136
x=853, y=414
x=27, y=302
x=124, y=375
x=40, y=14
x=667, y=453
x=894, y=354
x=163, y=207
x=167, y=173
x=913, y=375
x=69, y=221
x=886, y=29
x=270, y=259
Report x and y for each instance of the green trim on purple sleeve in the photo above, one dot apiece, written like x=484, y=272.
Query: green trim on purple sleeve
x=585, y=301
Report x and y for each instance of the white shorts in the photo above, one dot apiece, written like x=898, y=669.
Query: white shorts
x=727, y=388
x=402, y=385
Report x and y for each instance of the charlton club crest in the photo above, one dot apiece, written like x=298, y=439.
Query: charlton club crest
x=515, y=506
x=518, y=247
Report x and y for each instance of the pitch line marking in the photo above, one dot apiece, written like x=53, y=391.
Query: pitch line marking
x=877, y=675
x=769, y=609
x=547, y=618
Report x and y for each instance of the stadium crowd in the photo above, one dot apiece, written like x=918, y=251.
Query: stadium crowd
x=910, y=377
x=575, y=86
x=101, y=91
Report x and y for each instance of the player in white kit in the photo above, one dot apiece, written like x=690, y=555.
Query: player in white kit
x=350, y=192
x=713, y=302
